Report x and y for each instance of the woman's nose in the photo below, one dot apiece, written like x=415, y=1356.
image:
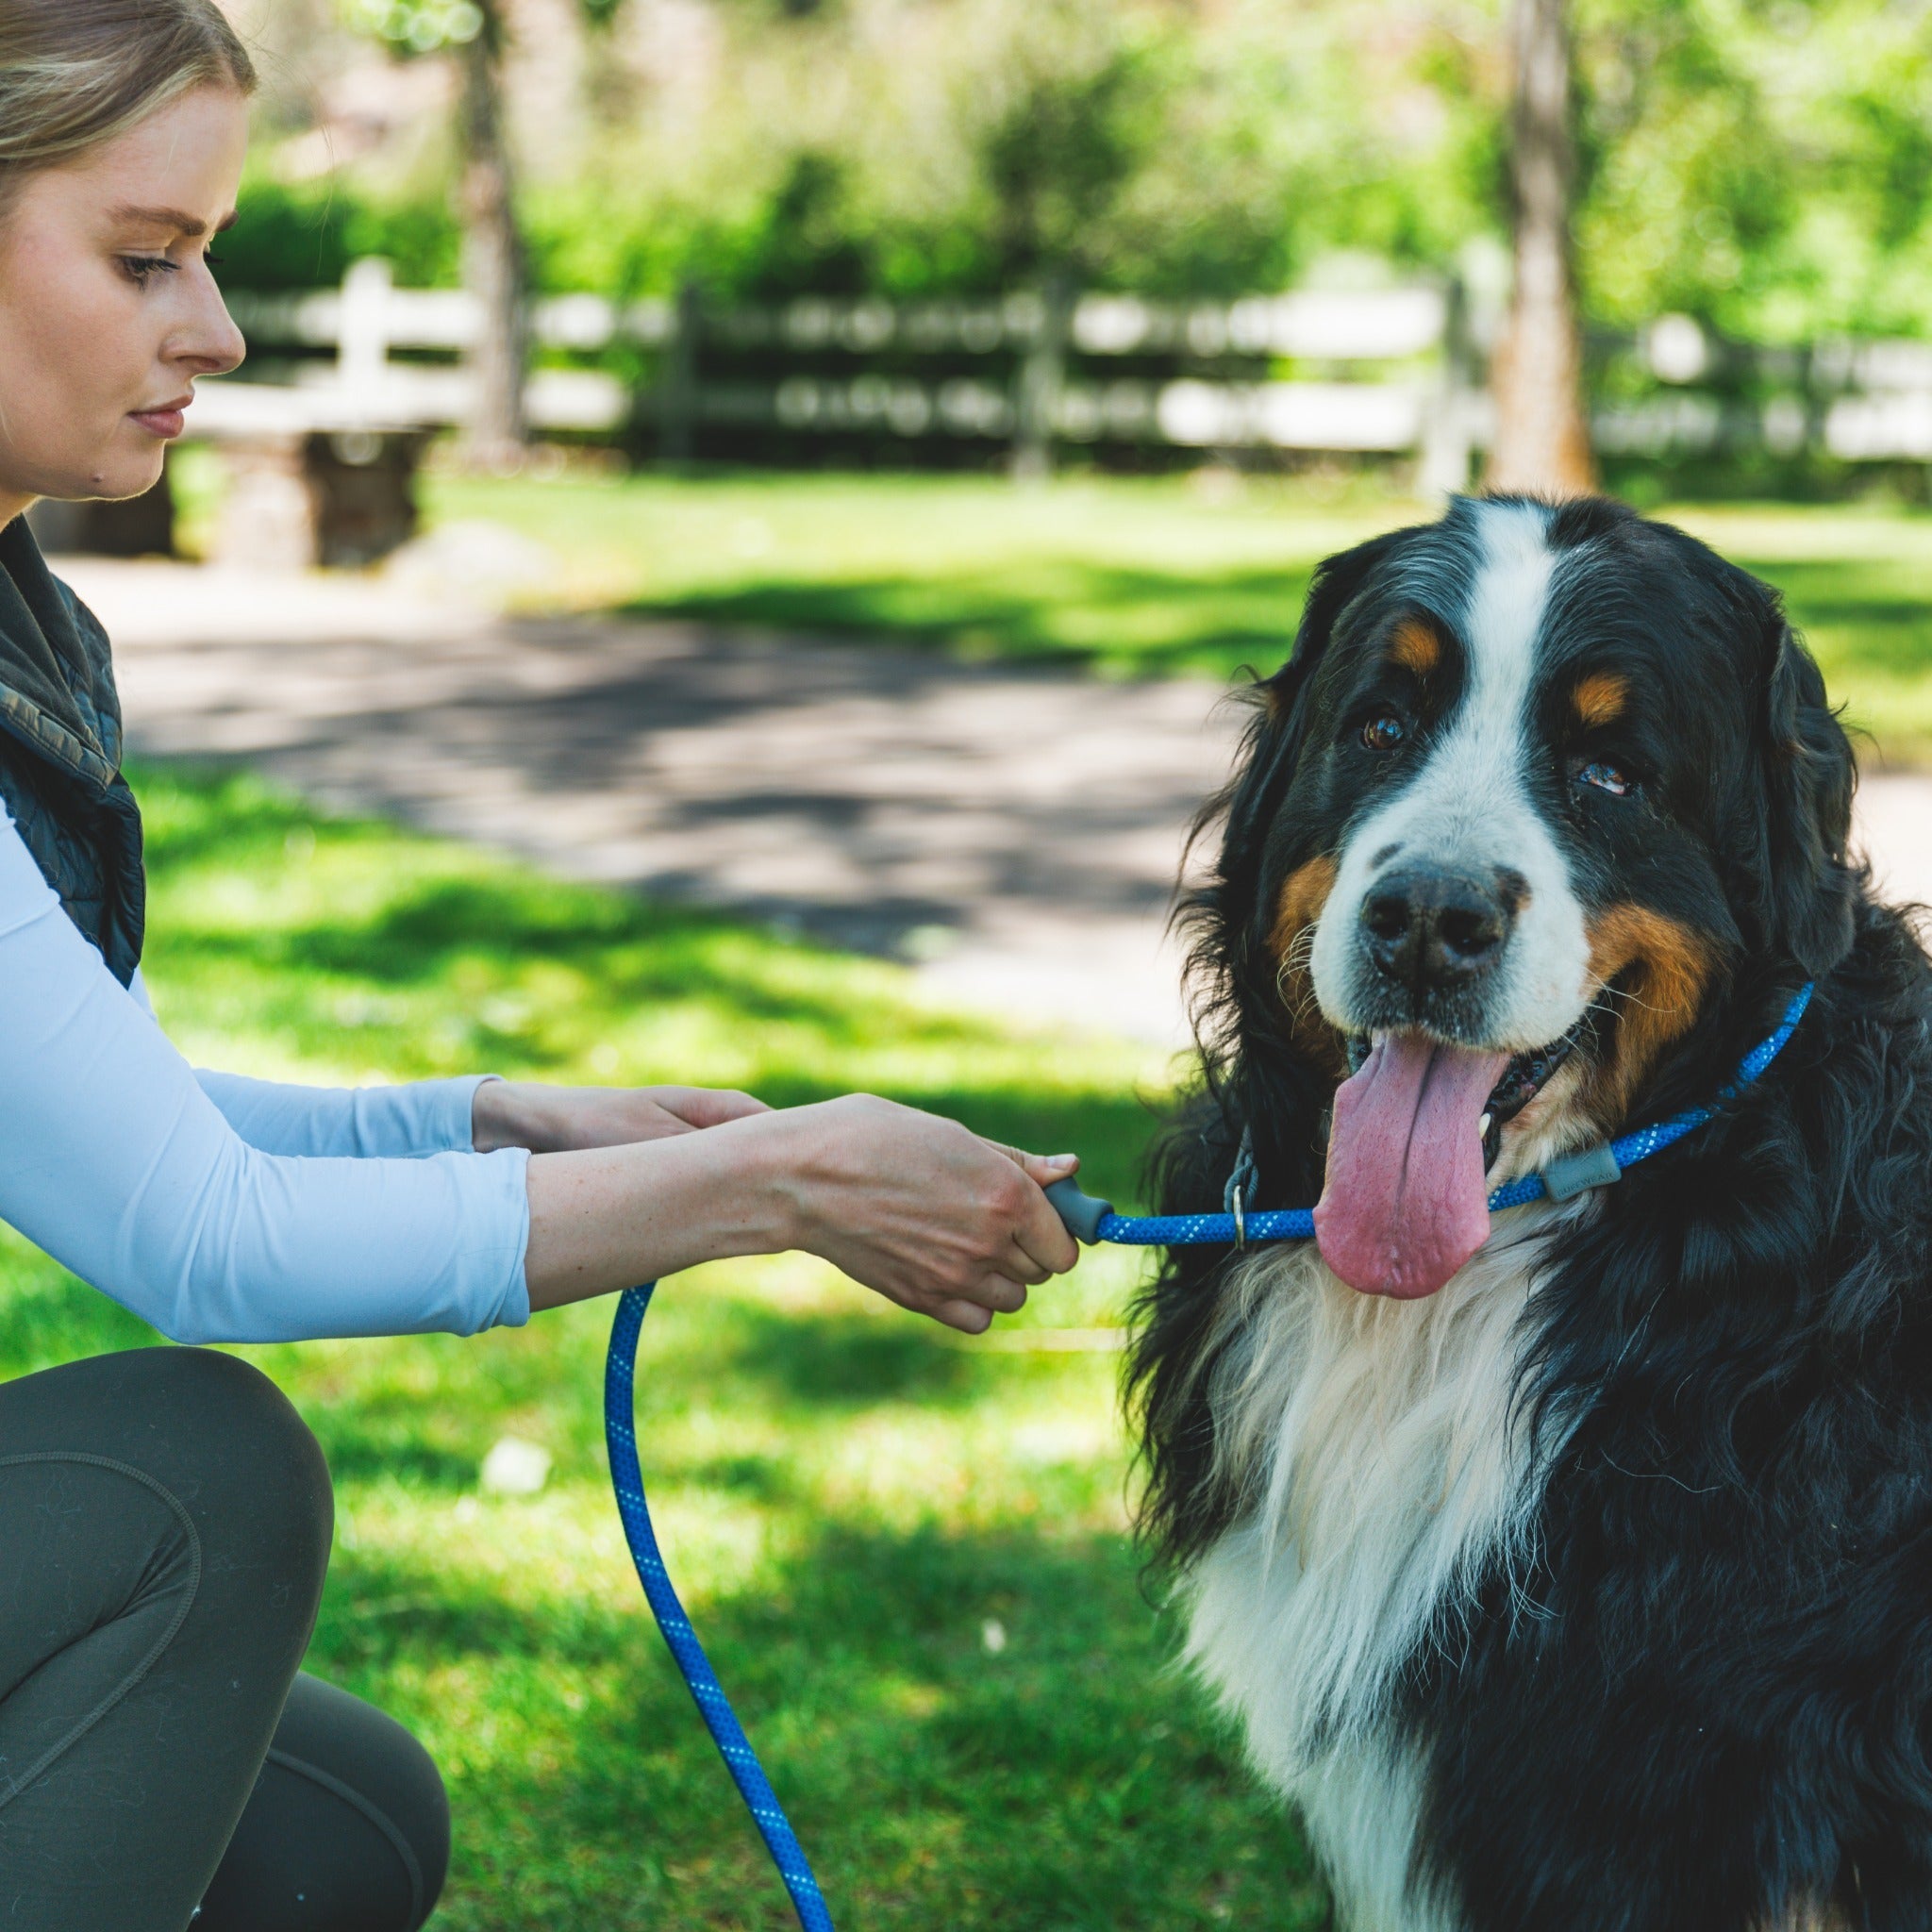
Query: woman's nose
x=212, y=343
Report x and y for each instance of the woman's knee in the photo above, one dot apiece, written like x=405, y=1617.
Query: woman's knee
x=263, y=1464
x=210, y=1430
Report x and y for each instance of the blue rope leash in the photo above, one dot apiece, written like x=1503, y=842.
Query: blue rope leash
x=1092, y=1221
x=1593, y=1167
x=687, y=1652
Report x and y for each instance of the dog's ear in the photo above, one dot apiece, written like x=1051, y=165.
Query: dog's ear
x=1805, y=888
x=1273, y=745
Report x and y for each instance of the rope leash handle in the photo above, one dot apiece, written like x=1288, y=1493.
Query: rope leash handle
x=687, y=1652
x=1091, y=1220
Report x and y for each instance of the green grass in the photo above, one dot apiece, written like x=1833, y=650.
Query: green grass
x=1136, y=577
x=1128, y=577
x=848, y=1497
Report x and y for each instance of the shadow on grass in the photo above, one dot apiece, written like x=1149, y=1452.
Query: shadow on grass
x=1069, y=1781
x=848, y=1362
x=1157, y=623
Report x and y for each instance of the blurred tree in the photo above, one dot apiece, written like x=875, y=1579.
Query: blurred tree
x=494, y=269
x=1543, y=427
x=495, y=261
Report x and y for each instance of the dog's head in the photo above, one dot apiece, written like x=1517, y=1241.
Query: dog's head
x=1538, y=787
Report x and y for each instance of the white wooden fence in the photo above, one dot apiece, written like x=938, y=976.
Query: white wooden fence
x=1393, y=372
x=1387, y=385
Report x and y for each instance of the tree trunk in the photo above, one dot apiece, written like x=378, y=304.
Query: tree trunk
x=1542, y=429
x=494, y=269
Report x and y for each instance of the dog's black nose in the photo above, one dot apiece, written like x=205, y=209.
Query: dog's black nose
x=1435, y=930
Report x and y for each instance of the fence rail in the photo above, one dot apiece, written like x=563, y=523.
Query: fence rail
x=1204, y=380
x=1390, y=372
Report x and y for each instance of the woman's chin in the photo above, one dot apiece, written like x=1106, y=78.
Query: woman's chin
x=125, y=474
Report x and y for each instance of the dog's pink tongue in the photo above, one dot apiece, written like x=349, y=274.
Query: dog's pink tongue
x=1405, y=1205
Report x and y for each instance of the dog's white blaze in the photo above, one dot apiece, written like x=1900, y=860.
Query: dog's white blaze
x=1468, y=806
x=1388, y=1475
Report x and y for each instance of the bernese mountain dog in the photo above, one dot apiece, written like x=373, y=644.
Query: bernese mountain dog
x=1570, y=1569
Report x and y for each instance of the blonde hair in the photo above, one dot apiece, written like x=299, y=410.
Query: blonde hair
x=76, y=73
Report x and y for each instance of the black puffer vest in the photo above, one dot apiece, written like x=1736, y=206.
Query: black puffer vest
x=60, y=752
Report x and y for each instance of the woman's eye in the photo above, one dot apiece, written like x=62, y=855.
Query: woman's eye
x=145, y=268
x=1384, y=731
x=1607, y=778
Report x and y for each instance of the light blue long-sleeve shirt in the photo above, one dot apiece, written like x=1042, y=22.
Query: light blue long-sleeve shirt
x=221, y=1208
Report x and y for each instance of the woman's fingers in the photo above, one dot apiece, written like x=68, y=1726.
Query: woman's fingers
x=708, y=1106
x=1022, y=1266
x=969, y=1318
x=1041, y=1234
x=1043, y=1238
x=1002, y=1294
x=1042, y=1170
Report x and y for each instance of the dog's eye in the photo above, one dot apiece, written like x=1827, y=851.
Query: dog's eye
x=1607, y=778
x=1384, y=731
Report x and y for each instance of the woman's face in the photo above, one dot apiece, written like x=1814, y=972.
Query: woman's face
x=107, y=309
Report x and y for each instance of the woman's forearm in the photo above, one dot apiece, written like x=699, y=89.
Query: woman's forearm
x=607, y=1218
x=914, y=1205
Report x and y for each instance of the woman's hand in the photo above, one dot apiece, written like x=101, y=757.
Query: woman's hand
x=555, y=1119
x=915, y=1207
x=919, y=1208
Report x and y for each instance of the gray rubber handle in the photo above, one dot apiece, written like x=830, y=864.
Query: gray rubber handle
x=1080, y=1212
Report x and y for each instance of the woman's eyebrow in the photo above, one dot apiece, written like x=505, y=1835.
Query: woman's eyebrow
x=191, y=226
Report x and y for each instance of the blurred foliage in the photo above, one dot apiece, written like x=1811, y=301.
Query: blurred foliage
x=923, y=146
x=1765, y=165
x=305, y=235
x=1766, y=168
x=416, y=26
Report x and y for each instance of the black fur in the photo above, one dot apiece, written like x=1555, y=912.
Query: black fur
x=1717, y=1700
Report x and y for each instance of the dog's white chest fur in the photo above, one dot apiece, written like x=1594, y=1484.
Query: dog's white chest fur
x=1388, y=1473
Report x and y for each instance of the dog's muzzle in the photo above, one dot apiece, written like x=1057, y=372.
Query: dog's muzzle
x=1431, y=932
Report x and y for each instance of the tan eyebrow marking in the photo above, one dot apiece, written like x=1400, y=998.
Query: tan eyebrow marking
x=1600, y=698
x=1417, y=645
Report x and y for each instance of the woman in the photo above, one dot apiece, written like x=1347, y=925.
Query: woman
x=164, y=1515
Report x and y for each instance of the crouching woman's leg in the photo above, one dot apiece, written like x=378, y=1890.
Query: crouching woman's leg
x=164, y=1530
x=347, y=1830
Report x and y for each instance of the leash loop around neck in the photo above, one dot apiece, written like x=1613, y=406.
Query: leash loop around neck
x=1561, y=1179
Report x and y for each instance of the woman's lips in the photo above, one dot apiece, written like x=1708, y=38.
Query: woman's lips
x=165, y=424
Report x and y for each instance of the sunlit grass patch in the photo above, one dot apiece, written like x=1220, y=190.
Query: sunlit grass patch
x=907, y=1554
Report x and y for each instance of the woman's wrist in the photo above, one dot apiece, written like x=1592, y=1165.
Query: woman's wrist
x=518, y=1113
x=491, y=1116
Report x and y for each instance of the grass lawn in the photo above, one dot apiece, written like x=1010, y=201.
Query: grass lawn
x=858, y=1507
x=1136, y=576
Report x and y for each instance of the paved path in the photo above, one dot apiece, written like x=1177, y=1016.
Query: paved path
x=1014, y=832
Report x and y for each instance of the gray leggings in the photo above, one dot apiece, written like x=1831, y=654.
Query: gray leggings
x=165, y=1518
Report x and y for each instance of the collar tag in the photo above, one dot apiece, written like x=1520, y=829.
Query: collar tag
x=1571, y=1174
